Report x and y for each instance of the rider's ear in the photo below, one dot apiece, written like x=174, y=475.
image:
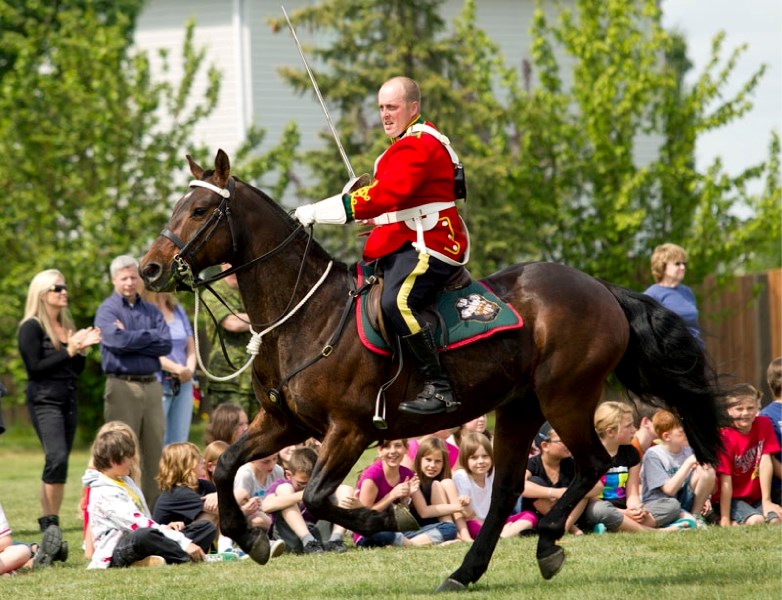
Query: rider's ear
x=195, y=168
x=222, y=169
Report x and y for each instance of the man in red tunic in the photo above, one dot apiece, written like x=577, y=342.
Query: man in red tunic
x=419, y=239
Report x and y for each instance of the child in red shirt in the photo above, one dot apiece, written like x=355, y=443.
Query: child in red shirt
x=744, y=465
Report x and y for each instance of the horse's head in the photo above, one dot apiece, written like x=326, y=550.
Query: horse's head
x=199, y=233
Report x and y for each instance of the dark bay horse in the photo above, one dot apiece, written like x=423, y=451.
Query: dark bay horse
x=577, y=330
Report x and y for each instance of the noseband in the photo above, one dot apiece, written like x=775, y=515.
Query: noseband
x=182, y=261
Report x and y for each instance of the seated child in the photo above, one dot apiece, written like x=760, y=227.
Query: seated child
x=744, y=465
x=250, y=485
x=674, y=485
x=292, y=522
x=437, y=498
x=548, y=475
x=186, y=495
x=618, y=506
x=645, y=435
x=212, y=454
x=123, y=532
x=227, y=423
x=773, y=410
x=91, y=474
x=386, y=482
x=443, y=434
x=475, y=479
x=16, y=555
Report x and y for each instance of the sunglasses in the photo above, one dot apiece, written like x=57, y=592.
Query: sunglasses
x=58, y=287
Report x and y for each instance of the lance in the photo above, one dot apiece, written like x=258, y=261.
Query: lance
x=334, y=133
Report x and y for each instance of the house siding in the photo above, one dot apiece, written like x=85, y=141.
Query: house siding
x=239, y=41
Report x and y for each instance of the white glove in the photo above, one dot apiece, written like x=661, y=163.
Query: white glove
x=330, y=211
x=305, y=214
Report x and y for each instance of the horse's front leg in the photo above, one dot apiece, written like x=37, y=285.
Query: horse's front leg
x=342, y=447
x=513, y=435
x=266, y=435
x=591, y=462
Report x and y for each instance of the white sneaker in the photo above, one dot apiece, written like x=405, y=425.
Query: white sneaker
x=221, y=557
x=276, y=548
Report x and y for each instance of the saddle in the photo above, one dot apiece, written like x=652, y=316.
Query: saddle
x=464, y=311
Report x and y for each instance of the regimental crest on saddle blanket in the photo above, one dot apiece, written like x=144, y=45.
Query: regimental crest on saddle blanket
x=465, y=315
x=477, y=308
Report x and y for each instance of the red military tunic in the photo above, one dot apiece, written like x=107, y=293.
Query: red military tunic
x=416, y=170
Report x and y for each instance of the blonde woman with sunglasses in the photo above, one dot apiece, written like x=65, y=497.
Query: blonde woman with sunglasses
x=53, y=352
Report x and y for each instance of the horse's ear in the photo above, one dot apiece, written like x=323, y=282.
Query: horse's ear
x=222, y=168
x=195, y=168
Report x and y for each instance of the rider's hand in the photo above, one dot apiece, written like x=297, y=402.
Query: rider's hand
x=305, y=214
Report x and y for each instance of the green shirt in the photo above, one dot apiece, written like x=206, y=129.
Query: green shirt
x=235, y=342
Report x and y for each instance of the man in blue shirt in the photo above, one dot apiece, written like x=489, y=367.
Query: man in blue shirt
x=135, y=336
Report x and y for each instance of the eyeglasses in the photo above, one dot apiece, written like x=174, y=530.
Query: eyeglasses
x=58, y=287
x=681, y=263
x=554, y=441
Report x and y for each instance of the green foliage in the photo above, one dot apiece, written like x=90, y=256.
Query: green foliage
x=92, y=167
x=611, y=211
x=15, y=16
x=552, y=153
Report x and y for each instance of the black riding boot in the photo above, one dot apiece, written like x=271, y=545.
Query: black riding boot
x=436, y=396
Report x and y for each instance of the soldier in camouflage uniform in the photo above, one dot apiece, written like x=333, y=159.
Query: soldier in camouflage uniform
x=235, y=330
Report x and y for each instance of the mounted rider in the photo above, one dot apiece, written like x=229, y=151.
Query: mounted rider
x=419, y=240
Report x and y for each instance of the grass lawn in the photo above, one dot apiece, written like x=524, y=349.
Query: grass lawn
x=730, y=563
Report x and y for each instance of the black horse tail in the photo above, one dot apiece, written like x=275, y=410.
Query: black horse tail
x=666, y=366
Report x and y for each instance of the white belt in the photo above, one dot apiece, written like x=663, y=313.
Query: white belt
x=410, y=213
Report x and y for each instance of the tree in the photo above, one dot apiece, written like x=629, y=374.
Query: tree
x=90, y=168
x=15, y=16
x=373, y=41
x=600, y=210
x=550, y=155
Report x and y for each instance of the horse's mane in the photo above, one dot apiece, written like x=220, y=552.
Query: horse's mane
x=288, y=220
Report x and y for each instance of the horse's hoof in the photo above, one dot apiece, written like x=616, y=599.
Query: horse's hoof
x=450, y=585
x=550, y=565
x=260, y=549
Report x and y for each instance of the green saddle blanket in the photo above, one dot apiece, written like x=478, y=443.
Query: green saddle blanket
x=469, y=314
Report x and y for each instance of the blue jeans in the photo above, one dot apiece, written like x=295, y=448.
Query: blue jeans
x=436, y=532
x=178, y=410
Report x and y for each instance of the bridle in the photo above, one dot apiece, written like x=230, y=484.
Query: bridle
x=182, y=261
x=183, y=271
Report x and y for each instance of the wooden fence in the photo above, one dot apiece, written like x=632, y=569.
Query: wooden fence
x=742, y=325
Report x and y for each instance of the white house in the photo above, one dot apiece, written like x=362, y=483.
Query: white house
x=239, y=41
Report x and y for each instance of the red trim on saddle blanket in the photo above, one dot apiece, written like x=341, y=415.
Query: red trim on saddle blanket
x=360, y=320
x=384, y=351
x=492, y=331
